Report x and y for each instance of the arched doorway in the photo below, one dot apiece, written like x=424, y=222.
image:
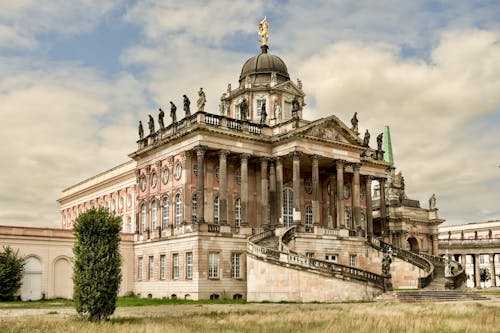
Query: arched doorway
x=63, y=282
x=31, y=288
x=413, y=244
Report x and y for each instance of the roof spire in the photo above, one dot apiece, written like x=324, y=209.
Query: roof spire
x=387, y=145
x=264, y=36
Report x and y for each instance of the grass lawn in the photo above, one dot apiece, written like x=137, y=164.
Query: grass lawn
x=230, y=316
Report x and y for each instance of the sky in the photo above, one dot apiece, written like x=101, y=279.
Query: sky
x=77, y=76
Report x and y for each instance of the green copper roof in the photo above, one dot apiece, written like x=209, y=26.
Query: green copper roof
x=387, y=146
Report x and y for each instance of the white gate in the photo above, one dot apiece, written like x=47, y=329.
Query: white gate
x=31, y=289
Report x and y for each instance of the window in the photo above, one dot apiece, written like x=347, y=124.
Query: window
x=363, y=220
x=347, y=218
x=154, y=215
x=309, y=218
x=331, y=257
x=143, y=217
x=482, y=259
x=175, y=266
x=352, y=260
x=237, y=175
x=260, y=102
x=214, y=296
x=237, y=212
x=213, y=265
x=362, y=194
x=308, y=186
x=151, y=268
x=163, y=267
x=189, y=265
x=216, y=210
x=287, y=207
x=178, y=209
x=236, y=265
x=237, y=113
x=139, y=268
x=194, y=207
x=165, y=213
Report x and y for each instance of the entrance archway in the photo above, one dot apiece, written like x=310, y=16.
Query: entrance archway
x=63, y=282
x=31, y=289
x=413, y=244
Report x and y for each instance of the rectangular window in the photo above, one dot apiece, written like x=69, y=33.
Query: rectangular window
x=213, y=265
x=260, y=102
x=151, y=268
x=331, y=257
x=352, y=260
x=139, y=268
x=163, y=267
x=189, y=265
x=175, y=266
x=236, y=265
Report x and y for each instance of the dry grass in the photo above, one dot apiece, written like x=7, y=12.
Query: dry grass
x=269, y=318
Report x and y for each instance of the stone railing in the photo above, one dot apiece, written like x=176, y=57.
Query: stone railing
x=458, y=276
x=294, y=259
x=213, y=228
x=408, y=256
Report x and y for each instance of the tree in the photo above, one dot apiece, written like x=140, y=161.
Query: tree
x=484, y=275
x=11, y=272
x=97, y=269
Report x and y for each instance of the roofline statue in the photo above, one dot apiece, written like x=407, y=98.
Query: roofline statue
x=263, y=32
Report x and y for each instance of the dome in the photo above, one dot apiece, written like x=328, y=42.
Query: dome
x=264, y=63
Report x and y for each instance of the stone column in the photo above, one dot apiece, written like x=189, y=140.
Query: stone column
x=279, y=190
x=477, y=278
x=272, y=193
x=369, y=208
x=264, y=188
x=493, y=271
x=200, y=184
x=223, y=187
x=297, y=218
x=244, y=189
x=383, y=213
x=315, y=189
x=340, y=194
x=333, y=210
x=187, y=168
x=356, y=205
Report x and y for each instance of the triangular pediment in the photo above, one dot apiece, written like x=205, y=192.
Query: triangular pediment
x=331, y=129
x=289, y=87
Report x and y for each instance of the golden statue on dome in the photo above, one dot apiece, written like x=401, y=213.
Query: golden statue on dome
x=263, y=27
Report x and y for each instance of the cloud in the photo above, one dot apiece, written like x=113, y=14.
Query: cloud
x=23, y=21
x=435, y=109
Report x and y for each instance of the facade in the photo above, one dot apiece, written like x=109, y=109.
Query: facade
x=256, y=202
x=476, y=246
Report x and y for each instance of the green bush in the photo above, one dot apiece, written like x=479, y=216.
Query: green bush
x=11, y=273
x=97, y=269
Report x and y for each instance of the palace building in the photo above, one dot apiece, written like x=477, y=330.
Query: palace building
x=255, y=202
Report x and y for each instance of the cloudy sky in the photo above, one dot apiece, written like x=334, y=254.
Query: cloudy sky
x=76, y=76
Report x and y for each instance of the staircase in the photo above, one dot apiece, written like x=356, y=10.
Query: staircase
x=439, y=281
x=426, y=295
x=271, y=242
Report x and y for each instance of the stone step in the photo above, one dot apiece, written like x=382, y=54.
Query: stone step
x=437, y=296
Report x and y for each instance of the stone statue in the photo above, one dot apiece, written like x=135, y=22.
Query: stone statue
x=141, y=130
x=462, y=235
x=248, y=82
x=151, y=124
x=277, y=111
x=354, y=122
x=447, y=265
x=202, y=99
x=244, y=109
x=263, y=114
x=295, y=107
x=386, y=262
x=187, y=106
x=229, y=89
x=161, y=115
x=366, y=140
x=173, y=110
x=380, y=138
x=432, y=202
x=299, y=83
x=263, y=32
x=274, y=80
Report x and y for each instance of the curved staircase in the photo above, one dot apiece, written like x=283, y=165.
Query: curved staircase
x=271, y=248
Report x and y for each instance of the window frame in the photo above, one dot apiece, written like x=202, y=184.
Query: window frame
x=213, y=265
x=175, y=266
x=189, y=265
x=236, y=265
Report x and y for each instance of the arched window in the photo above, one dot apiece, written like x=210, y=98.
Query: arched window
x=154, y=215
x=178, y=209
x=237, y=212
x=309, y=218
x=165, y=213
x=348, y=218
x=216, y=210
x=143, y=217
x=194, y=208
x=288, y=207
